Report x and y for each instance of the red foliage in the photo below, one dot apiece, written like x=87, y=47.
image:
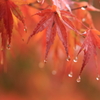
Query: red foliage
x=55, y=21
x=89, y=45
x=7, y=8
x=66, y=18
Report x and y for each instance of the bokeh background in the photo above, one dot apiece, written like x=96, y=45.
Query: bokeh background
x=29, y=78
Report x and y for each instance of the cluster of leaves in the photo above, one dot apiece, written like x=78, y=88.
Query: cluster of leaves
x=64, y=18
x=8, y=9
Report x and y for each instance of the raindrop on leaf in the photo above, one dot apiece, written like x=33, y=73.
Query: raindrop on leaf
x=84, y=33
x=83, y=8
x=8, y=47
x=76, y=59
x=39, y=1
x=45, y=61
x=68, y=58
x=83, y=20
x=98, y=78
x=70, y=74
x=78, y=79
x=25, y=28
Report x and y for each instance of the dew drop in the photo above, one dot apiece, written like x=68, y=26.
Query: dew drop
x=83, y=8
x=8, y=47
x=68, y=58
x=54, y=72
x=78, y=79
x=75, y=60
x=84, y=33
x=83, y=20
x=39, y=1
x=25, y=28
x=45, y=61
x=70, y=74
x=98, y=78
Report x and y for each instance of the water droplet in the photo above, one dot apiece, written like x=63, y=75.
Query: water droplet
x=70, y=74
x=68, y=58
x=45, y=61
x=39, y=1
x=83, y=20
x=8, y=47
x=54, y=72
x=84, y=32
x=75, y=60
x=83, y=8
x=98, y=78
x=78, y=79
x=25, y=28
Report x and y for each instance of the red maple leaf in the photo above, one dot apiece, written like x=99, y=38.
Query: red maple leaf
x=89, y=45
x=7, y=8
x=55, y=21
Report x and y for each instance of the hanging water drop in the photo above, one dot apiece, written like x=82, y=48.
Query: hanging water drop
x=75, y=60
x=83, y=8
x=25, y=28
x=84, y=33
x=78, y=79
x=8, y=47
x=68, y=58
x=70, y=74
x=39, y=1
x=45, y=61
x=98, y=78
x=83, y=20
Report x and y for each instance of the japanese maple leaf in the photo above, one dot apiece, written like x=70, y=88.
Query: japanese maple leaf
x=7, y=8
x=55, y=21
x=89, y=45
